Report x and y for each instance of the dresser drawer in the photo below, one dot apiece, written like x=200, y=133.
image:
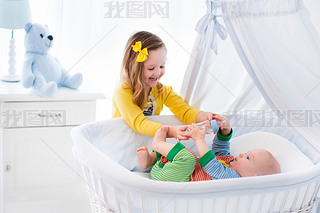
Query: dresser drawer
x=41, y=114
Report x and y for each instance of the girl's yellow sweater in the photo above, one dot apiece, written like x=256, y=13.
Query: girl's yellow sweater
x=132, y=114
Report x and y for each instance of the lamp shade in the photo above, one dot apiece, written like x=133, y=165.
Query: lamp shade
x=14, y=14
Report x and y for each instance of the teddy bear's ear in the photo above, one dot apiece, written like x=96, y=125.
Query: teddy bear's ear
x=27, y=27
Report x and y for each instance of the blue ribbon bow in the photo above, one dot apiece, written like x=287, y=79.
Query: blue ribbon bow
x=205, y=21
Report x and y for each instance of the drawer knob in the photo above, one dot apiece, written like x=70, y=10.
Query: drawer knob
x=7, y=168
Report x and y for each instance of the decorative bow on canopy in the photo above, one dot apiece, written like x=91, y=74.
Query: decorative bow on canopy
x=208, y=19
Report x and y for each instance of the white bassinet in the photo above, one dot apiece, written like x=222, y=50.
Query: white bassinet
x=106, y=150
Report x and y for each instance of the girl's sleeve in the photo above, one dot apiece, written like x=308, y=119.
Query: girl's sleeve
x=132, y=114
x=179, y=107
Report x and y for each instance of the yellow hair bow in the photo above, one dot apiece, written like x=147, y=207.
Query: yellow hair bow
x=142, y=53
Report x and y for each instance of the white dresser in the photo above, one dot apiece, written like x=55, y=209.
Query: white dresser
x=38, y=172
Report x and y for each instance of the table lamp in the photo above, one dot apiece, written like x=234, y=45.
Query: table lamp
x=14, y=14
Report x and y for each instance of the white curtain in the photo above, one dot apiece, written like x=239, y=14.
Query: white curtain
x=280, y=49
x=216, y=79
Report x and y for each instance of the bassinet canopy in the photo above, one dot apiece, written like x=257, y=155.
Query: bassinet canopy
x=268, y=66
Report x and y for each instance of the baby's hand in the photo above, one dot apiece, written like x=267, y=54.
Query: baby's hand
x=225, y=127
x=195, y=133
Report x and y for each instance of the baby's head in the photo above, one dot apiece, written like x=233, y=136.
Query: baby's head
x=256, y=162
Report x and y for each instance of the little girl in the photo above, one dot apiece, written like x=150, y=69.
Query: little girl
x=140, y=93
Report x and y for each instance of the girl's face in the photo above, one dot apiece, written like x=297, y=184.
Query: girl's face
x=154, y=67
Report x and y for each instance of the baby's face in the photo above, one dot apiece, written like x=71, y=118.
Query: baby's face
x=253, y=163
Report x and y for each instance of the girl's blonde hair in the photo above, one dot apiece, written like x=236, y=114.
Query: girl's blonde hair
x=132, y=71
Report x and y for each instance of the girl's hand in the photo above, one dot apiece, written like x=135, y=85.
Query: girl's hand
x=195, y=133
x=202, y=116
x=180, y=133
x=225, y=127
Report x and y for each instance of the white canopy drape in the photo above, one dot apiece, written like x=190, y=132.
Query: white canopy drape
x=218, y=82
x=277, y=45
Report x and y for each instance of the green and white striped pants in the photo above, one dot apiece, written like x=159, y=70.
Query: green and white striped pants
x=178, y=169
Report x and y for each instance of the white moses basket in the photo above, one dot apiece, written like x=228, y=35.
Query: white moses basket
x=106, y=151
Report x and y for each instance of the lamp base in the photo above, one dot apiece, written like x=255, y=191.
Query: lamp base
x=10, y=78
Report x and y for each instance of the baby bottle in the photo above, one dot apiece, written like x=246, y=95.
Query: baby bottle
x=212, y=126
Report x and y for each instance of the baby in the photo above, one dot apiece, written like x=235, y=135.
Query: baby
x=173, y=162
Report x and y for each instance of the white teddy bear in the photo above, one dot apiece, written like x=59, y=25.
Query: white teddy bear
x=41, y=70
